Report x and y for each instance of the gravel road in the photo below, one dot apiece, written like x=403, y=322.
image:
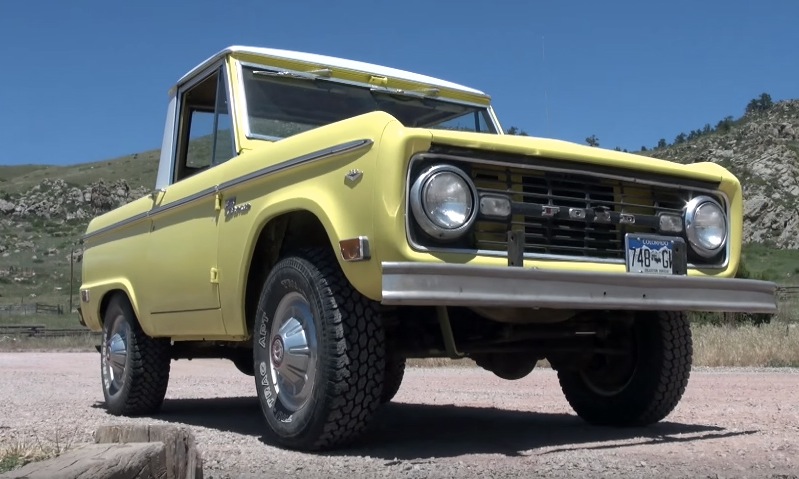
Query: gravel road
x=444, y=422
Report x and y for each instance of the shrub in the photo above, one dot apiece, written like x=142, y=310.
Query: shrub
x=734, y=319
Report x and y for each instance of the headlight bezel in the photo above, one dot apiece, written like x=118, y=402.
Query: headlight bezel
x=692, y=233
x=418, y=206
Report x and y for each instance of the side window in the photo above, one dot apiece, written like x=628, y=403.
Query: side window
x=206, y=133
x=201, y=134
x=223, y=141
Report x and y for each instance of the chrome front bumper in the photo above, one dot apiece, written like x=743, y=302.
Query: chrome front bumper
x=461, y=285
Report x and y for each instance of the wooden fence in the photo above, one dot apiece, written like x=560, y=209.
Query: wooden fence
x=41, y=331
x=29, y=309
x=785, y=293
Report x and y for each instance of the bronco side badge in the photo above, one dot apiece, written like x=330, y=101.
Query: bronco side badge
x=232, y=209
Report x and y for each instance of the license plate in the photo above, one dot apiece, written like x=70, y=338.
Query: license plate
x=655, y=254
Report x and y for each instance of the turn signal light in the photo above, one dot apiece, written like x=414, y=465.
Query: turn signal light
x=355, y=249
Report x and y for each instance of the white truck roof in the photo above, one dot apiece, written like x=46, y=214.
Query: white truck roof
x=333, y=62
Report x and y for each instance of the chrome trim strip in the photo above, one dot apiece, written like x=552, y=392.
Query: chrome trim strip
x=269, y=170
x=335, y=150
x=495, y=120
x=578, y=259
x=440, y=284
x=120, y=224
x=182, y=201
x=310, y=157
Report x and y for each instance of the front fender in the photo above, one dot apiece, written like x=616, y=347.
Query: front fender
x=97, y=293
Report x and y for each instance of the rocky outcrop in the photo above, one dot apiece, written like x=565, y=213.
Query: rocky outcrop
x=762, y=150
x=42, y=211
x=54, y=199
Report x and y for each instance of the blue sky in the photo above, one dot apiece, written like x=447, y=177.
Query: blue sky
x=87, y=80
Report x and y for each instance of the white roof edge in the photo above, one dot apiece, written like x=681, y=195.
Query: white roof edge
x=332, y=61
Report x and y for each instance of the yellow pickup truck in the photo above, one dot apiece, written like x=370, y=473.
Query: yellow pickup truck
x=318, y=221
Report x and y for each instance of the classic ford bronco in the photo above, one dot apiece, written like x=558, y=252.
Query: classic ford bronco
x=318, y=221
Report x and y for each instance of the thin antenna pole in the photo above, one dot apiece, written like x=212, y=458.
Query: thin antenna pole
x=71, y=276
x=544, y=76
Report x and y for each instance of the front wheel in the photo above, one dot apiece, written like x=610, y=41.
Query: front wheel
x=640, y=377
x=133, y=366
x=319, y=354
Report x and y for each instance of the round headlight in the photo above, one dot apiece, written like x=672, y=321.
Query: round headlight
x=447, y=200
x=705, y=226
x=443, y=201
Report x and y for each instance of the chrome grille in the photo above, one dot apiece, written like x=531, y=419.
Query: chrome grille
x=570, y=214
x=563, y=210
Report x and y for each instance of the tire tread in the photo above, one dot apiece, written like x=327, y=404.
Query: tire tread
x=661, y=391
x=355, y=342
x=148, y=374
x=359, y=351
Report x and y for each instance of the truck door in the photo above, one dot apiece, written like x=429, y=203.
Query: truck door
x=183, y=288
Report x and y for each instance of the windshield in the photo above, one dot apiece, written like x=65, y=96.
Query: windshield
x=283, y=104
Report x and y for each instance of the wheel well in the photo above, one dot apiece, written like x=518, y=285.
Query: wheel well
x=288, y=232
x=106, y=299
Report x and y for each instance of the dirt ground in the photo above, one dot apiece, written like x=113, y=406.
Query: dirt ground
x=446, y=422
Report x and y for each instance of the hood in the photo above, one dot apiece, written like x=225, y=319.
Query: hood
x=567, y=151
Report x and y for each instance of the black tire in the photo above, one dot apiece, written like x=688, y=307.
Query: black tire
x=395, y=371
x=336, y=371
x=643, y=388
x=134, y=367
x=244, y=363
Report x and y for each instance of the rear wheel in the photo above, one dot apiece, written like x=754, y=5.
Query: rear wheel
x=395, y=371
x=319, y=354
x=134, y=367
x=641, y=377
x=244, y=363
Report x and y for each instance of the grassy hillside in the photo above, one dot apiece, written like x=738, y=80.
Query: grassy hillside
x=774, y=264
x=8, y=173
x=138, y=169
x=36, y=250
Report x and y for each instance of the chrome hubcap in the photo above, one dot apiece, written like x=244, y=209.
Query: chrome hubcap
x=277, y=351
x=293, y=351
x=116, y=355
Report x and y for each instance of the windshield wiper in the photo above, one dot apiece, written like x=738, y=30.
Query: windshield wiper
x=325, y=73
x=422, y=94
x=309, y=75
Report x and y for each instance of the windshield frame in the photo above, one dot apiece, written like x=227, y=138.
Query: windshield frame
x=487, y=111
